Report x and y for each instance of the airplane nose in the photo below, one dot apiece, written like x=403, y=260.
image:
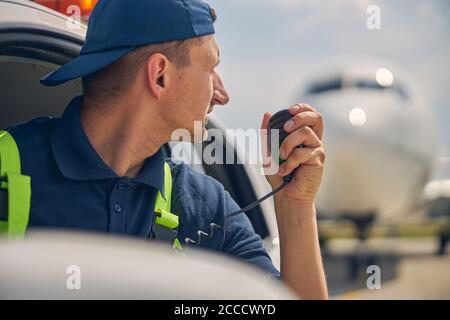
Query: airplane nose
x=379, y=148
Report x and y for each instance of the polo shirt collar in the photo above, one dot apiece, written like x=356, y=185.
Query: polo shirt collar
x=78, y=160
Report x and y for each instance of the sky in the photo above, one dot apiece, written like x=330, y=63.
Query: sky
x=271, y=48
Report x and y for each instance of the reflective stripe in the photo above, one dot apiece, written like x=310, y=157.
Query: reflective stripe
x=9, y=156
x=164, y=217
x=162, y=205
x=19, y=193
x=177, y=244
x=18, y=186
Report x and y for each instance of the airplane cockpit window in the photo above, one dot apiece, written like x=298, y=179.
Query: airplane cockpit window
x=324, y=86
x=340, y=83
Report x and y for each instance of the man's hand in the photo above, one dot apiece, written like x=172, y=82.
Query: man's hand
x=301, y=263
x=305, y=127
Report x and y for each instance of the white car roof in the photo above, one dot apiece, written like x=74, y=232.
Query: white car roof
x=25, y=13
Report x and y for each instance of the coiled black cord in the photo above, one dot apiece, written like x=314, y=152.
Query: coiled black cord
x=212, y=226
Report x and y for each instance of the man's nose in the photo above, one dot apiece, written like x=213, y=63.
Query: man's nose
x=220, y=94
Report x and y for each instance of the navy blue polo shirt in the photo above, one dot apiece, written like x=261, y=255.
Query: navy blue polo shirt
x=73, y=188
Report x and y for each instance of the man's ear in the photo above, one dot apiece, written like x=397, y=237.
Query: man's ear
x=156, y=74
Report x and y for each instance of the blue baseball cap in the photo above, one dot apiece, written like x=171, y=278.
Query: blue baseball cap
x=116, y=27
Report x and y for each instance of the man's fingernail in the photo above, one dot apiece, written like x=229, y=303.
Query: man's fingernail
x=282, y=154
x=289, y=125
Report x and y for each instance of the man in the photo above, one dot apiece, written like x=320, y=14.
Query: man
x=148, y=68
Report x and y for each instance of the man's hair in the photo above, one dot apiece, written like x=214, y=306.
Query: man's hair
x=114, y=80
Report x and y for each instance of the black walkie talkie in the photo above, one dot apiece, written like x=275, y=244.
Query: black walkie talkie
x=277, y=121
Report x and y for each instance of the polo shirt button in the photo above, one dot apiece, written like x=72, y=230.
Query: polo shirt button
x=120, y=186
x=118, y=208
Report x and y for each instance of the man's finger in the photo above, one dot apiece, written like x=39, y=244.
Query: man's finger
x=305, y=136
x=305, y=156
x=300, y=107
x=307, y=118
x=265, y=121
x=264, y=139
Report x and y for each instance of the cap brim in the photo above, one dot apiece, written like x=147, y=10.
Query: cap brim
x=84, y=65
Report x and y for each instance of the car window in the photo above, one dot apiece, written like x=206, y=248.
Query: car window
x=23, y=98
x=26, y=55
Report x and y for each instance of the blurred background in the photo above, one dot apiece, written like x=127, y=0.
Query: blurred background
x=383, y=92
x=378, y=71
x=384, y=95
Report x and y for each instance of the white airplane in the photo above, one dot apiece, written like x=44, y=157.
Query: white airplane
x=380, y=137
x=436, y=195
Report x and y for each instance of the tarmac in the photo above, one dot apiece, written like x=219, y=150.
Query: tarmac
x=408, y=269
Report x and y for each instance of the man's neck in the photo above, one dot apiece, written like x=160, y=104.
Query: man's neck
x=121, y=137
